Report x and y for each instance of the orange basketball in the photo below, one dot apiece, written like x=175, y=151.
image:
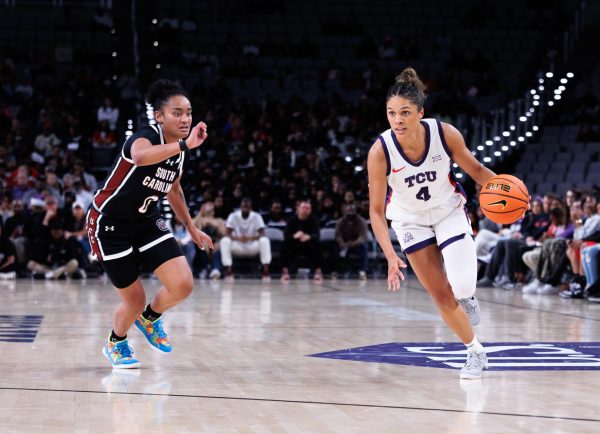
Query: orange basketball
x=504, y=199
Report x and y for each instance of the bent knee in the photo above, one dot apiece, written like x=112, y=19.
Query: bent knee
x=184, y=286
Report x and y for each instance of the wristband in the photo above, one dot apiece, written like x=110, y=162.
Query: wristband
x=182, y=145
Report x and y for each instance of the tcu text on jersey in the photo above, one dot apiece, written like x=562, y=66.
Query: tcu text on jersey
x=420, y=178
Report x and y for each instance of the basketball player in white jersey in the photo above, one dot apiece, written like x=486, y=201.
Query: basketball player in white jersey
x=126, y=227
x=426, y=206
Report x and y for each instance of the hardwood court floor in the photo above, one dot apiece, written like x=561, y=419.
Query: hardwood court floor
x=240, y=363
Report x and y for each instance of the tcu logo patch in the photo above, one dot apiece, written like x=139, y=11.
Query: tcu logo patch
x=408, y=237
x=502, y=356
x=162, y=225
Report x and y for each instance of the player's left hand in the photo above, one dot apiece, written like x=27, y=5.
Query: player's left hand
x=201, y=239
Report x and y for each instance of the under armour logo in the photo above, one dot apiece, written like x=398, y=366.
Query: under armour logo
x=109, y=228
x=170, y=162
x=91, y=220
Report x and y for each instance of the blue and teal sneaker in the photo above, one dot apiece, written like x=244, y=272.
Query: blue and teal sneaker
x=120, y=355
x=155, y=334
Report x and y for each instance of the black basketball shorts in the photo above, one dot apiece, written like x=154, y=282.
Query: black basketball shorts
x=124, y=248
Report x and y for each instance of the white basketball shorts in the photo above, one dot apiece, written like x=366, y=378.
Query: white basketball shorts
x=441, y=225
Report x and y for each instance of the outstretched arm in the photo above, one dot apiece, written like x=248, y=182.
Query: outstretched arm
x=463, y=157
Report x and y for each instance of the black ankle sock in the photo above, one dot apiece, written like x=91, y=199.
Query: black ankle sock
x=115, y=338
x=150, y=315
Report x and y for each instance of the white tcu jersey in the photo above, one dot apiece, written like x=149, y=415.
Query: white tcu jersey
x=422, y=185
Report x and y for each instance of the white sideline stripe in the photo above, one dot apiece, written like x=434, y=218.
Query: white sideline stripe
x=118, y=255
x=155, y=242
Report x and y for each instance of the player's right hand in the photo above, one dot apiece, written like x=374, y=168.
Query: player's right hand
x=197, y=136
x=395, y=274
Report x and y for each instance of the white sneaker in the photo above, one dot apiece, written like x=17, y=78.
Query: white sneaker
x=471, y=307
x=8, y=276
x=215, y=274
x=532, y=287
x=49, y=275
x=476, y=362
x=362, y=275
x=548, y=289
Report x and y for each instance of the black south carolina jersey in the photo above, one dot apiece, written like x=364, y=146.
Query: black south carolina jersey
x=133, y=192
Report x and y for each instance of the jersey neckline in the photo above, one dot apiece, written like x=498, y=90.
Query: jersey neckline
x=427, y=145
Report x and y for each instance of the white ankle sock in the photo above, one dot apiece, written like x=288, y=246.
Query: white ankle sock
x=474, y=346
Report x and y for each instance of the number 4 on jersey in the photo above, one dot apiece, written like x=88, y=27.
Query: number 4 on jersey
x=423, y=194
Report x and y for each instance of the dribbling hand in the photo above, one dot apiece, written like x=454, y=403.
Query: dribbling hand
x=201, y=239
x=197, y=136
x=395, y=274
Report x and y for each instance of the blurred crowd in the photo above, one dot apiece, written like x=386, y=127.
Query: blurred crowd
x=297, y=167
x=553, y=250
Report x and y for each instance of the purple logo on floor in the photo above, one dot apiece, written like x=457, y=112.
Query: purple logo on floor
x=502, y=356
x=19, y=328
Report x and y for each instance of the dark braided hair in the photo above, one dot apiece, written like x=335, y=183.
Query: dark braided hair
x=408, y=85
x=161, y=90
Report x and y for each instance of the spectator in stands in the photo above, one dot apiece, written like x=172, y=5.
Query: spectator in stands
x=275, y=218
x=108, y=113
x=328, y=213
x=245, y=238
x=89, y=182
x=75, y=186
x=57, y=257
x=103, y=137
x=6, y=208
x=571, y=196
x=584, y=231
x=215, y=228
x=553, y=240
x=589, y=257
x=184, y=240
x=13, y=230
x=22, y=189
x=351, y=237
x=301, y=239
x=7, y=257
x=506, y=264
x=74, y=226
x=221, y=209
x=52, y=184
x=46, y=140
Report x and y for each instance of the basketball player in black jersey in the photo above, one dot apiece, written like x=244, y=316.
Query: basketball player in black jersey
x=126, y=229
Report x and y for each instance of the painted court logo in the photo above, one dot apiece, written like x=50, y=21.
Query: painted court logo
x=502, y=356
